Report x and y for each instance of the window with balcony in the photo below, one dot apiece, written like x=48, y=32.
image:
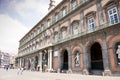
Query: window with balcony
x=56, y=17
x=40, y=43
x=74, y=4
x=113, y=16
x=47, y=39
x=91, y=24
x=48, y=23
x=75, y=28
x=42, y=27
x=63, y=12
x=64, y=32
x=56, y=37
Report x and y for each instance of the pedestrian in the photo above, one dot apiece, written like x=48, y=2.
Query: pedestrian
x=20, y=71
x=7, y=68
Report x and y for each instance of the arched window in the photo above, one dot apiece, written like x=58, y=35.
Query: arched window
x=77, y=59
x=117, y=52
x=75, y=28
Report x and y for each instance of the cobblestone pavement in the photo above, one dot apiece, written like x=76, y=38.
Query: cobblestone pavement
x=11, y=74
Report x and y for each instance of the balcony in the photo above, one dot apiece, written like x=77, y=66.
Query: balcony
x=55, y=21
x=97, y=28
x=28, y=53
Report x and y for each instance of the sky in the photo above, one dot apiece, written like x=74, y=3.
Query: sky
x=17, y=17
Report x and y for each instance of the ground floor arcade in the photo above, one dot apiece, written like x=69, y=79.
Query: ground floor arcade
x=96, y=53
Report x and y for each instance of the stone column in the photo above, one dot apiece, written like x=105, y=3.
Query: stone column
x=70, y=60
x=50, y=59
x=40, y=61
x=85, y=61
x=59, y=62
x=20, y=63
x=105, y=53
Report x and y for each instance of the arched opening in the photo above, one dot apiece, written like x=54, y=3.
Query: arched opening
x=96, y=57
x=36, y=62
x=44, y=61
x=29, y=64
x=65, y=60
x=117, y=53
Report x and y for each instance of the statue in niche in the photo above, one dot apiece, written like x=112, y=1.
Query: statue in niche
x=77, y=59
x=118, y=52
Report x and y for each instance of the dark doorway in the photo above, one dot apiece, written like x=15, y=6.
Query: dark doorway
x=36, y=62
x=65, y=60
x=96, y=57
x=44, y=61
x=29, y=64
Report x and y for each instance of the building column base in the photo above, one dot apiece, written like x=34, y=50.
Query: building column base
x=69, y=71
x=85, y=72
x=58, y=71
x=50, y=70
x=107, y=72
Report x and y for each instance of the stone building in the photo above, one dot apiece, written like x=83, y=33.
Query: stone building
x=4, y=59
x=78, y=36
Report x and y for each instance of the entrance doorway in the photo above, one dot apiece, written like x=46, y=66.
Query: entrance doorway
x=65, y=60
x=96, y=57
x=36, y=62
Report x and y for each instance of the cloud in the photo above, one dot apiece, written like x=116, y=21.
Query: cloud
x=11, y=31
x=29, y=8
x=16, y=17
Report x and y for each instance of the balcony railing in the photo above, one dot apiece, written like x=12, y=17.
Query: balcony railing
x=55, y=21
x=103, y=26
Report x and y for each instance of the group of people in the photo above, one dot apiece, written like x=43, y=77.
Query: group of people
x=20, y=70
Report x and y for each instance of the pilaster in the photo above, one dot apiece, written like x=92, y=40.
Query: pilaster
x=40, y=61
x=59, y=62
x=70, y=60
x=85, y=61
x=107, y=71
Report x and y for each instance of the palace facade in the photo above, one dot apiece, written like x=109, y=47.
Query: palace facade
x=78, y=36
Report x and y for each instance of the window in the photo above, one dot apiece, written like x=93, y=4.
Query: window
x=42, y=27
x=56, y=17
x=113, y=16
x=63, y=34
x=56, y=37
x=40, y=43
x=77, y=59
x=37, y=45
x=47, y=39
x=63, y=12
x=48, y=23
x=117, y=53
x=75, y=28
x=91, y=24
x=74, y=4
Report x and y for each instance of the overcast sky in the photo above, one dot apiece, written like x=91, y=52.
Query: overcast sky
x=17, y=17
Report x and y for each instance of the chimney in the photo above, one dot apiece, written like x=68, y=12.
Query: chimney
x=51, y=5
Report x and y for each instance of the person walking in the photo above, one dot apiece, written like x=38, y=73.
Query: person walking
x=20, y=71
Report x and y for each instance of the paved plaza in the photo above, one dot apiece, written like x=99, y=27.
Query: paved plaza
x=11, y=74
